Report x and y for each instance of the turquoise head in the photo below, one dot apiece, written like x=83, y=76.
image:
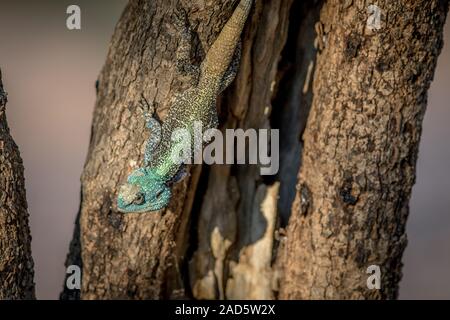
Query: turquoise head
x=144, y=191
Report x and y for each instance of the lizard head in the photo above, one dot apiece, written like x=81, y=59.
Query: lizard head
x=144, y=191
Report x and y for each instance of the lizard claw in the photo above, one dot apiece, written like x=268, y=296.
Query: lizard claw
x=149, y=109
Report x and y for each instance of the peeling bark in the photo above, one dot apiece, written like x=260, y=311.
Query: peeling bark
x=361, y=146
x=236, y=225
x=16, y=262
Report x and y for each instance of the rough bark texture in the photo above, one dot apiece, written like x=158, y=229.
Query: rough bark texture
x=16, y=263
x=218, y=238
x=361, y=146
x=137, y=256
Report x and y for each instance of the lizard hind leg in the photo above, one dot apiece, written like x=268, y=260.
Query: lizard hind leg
x=183, y=55
x=154, y=126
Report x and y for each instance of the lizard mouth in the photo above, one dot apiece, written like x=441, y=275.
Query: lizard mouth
x=132, y=208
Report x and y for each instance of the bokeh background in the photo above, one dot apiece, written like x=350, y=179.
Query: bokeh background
x=49, y=73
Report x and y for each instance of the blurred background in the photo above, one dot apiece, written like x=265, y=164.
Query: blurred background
x=49, y=73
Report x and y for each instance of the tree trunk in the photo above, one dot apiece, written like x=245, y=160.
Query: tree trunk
x=238, y=214
x=360, y=149
x=241, y=212
x=16, y=263
x=219, y=237
x=138, y=256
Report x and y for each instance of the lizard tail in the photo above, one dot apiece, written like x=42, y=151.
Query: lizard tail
x=221, y=53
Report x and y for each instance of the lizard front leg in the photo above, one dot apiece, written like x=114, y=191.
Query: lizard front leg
x=154, y=126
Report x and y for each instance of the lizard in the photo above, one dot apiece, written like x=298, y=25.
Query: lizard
x=148, y=188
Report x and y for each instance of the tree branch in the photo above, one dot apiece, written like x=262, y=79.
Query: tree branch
x=16, y=262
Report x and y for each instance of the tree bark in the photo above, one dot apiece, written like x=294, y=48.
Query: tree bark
x=16, y=263
x=361, y=146
x=238, y=214
x=138, y=256
x=219, y=237
x=242, y=211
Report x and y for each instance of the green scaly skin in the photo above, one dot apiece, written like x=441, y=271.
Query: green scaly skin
x=149, y=188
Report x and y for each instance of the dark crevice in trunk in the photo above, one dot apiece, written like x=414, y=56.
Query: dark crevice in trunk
x=292, y=103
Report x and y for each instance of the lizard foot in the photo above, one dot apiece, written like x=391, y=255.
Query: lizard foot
x=184, y=63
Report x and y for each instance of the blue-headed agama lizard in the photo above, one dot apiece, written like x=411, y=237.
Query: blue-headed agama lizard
x=149, y=187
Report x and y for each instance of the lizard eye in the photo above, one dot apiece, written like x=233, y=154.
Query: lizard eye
x=139, y=199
